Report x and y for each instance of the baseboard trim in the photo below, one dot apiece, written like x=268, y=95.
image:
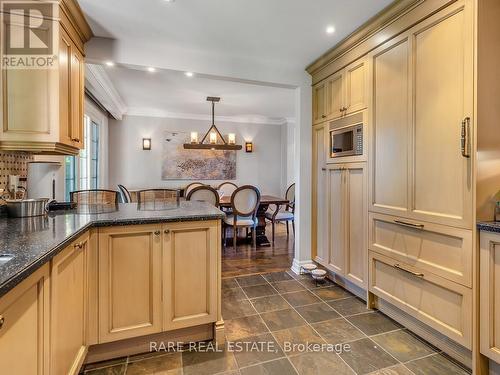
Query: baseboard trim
x=296, y=264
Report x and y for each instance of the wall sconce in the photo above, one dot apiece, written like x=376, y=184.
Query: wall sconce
x=248, y=146
x=146, y=144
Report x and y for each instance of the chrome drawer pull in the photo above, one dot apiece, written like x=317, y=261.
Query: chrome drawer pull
x=410, y=225
x=420, y=275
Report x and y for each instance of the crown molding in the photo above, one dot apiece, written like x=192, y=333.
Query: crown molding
x=364, y=32
x=98, y=83
x=250, y=119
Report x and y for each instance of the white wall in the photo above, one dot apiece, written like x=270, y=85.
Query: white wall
x=133, y=167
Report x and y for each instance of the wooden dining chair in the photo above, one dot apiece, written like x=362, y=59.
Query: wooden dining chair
x=227, y=188
x=158, y=196
x=94, y=197
x=284, y=215
x=205, y=194
x=125, y=194
x=191, y=186
x=244, y=202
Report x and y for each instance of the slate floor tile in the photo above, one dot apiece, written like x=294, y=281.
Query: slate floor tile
x=331, y=293
x=259, y=291
x=282, y=319
x=349, y=306
x=338, y=331
x=278, y=367
x=277, y=276
x=232, y=310
x=257, y=349
x=373, y=323
x=288, y=286
x=403, y=345
x=435, y=365
x=251, y=280
x=366, y=356
x=317, y=312
x=269, y=303
x=301, y=298
x=320, y=363
x=169, y=364
x=248, y=326
x=294, y=340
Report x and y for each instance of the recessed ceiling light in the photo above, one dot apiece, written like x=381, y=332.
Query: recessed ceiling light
x=110, y=63
x=169, y=1
x=151, y=69
x=330, y=30
x=189, y=74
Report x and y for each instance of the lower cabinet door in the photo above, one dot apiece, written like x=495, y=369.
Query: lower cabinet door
x=490, y=295
x=442, y=304
x=69, y=307
x=129, y=281
x=24, y=317
x=190, y=273
x=356, y=247
x=336, y=219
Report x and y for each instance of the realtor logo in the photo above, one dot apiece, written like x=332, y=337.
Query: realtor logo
x=28, y=29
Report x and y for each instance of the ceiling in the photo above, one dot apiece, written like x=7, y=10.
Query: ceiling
x=287, y=33
x=166, y=93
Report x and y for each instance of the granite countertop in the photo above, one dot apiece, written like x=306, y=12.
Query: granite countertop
x=34, y=241
x=489, y=226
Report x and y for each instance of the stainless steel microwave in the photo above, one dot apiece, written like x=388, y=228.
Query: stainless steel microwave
x=345, y=139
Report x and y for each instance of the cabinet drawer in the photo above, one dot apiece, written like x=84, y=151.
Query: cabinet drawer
x=444, y=251
x=437, y=302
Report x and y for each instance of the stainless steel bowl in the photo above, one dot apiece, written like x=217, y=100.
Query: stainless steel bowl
x=26, y=207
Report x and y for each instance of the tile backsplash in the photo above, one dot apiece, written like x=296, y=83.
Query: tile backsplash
x=15, y=163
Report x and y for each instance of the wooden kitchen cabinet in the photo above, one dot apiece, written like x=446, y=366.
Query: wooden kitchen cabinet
x=319, y=201
x=69, y=307
x=24, y=326
x=490, y=295
x=41, y=110
x=346, y=219
x=342, y=93
x=319, y=103
x=190, y=273
x=129, y=281
x=423, y=97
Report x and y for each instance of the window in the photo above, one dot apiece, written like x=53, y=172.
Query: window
x=82, y=171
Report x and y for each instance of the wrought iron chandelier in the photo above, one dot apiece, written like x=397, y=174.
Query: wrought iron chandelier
x=213, y=139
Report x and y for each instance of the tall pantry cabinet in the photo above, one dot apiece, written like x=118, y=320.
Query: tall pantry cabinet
x=424, y=79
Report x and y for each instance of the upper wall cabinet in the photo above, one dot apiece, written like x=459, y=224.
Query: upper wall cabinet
x=422, y=128
x=42, y=108
x=342, y=93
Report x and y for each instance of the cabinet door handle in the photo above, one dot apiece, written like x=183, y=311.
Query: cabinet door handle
x=78, y=245
x=323, y=116
x=323, y=169
x=416, y=274
x=2, y=321
x=76, y=140
x=166, y=231
x=410, y=225
x=465, y=138
x=157, y=232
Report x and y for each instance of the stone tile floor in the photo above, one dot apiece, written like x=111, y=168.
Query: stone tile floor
x=285, y=311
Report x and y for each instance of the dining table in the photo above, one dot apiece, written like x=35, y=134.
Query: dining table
x=265, y=202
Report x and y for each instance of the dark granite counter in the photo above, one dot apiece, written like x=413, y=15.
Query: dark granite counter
x=489, y=226
x=34, y=241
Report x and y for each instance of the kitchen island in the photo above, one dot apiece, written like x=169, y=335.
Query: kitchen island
x=103, y=282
